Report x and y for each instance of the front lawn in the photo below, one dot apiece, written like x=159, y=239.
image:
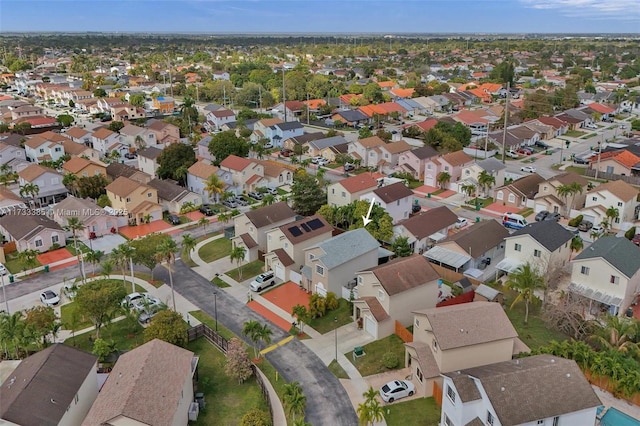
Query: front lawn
x=206, y=319
x=66, y=316
x=577, y=170
x=417, y=412
x=14, y=265
x=249, y=270
x=574, y=133
x=337, y=370
x=371, y=362
x=482, y=202
x=147, y=278
x=214, y=250
x=327, y=323
x=126, y=334
x=217, y=281
x=227, y=400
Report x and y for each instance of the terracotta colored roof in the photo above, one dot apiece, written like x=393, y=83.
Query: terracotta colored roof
x=268, y=122
x=619, y=188
x=623, y=157
x=102, y=133
x=403, y=93
x=253, y=179
x=386, y=84
x=76, y=164
x=284, y=257
x=357, y=183
x=469, y=117
x=123, y=186
x=74, y=148
x=603, y=109
x=233, y=162
x=315, y=103
x=77, y=132
x=294, y=105
x=427, y=124
x=376, y=308
x=223, y=112
x=35, y=141
x=271, y=168
x=396, y=147
x=405, y=273
x=457, y=158
x=552, y=121
x=202, y=170
x=371, y=142
x=32, y=171
x=491, y=87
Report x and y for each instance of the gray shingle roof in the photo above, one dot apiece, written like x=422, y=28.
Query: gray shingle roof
x=345, y=247
x=352, y=115
x=289, y=125
x=491, y=165
x=326, y=142
x=24, y=226
x=548, y=233
x=619, y=252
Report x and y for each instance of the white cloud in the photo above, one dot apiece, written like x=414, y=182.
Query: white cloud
x=596, y=9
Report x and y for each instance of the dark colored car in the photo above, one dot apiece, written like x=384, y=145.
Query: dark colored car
x=636, y=240
x=579, y=160
x=173, y=219
x=553, y=216
x=206, y=210
x=285, y=152
x=542, y=145
x=130, y=155
x=416, y=208
x=542, y=215
x=585, y=225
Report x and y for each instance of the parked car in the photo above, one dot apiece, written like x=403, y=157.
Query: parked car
x=268, y=145
x=542, y=145
x=230, y=203
x=636, y=240
x=49, y=298
x=323, y=162
x=256, y=195
x=597, y=229
x=591, y=126
x=285, y=152
x=461, y=222
x=206, y=210
x=262, y=281
x=541, y=215
x=130, y=156
x=396, y=389
x=585, y=225
x=524, y=151
x=416, y=208
x=139, y=301
x=580, y=160
x=315, y=160
x=512, y=154
x=272, y=191
x=553, y=216
x=173, y=219
x=148, y=313
x=241, y=201
x=3, y=269
x=528, y=169
x=348, y=167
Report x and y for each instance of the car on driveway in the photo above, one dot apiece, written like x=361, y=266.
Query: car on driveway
x=262, y=281
x=206, y=210
x=396, y=389
x=272, y=191
x=528, y=169
x=541, y=215
x=461, y=222
x=147, y=314
x=230, y=203
x=49, y=298
x=256, y=195
x=3, y=269
x=512, y=154
x=348, y=167
x=173, y=219
x=553, y=216
x=542, y=145
x=585, y=225
x=138, y=301
x=525, y=151
x=241, y=201
x=597, y=229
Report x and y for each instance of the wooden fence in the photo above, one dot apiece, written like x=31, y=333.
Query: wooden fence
x=452, y=276
x=463, y=298
x=606, y=384
x=403, y=333
x=633, y=180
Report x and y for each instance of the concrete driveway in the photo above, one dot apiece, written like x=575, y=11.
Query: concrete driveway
x=377, y=380
x=106, y=243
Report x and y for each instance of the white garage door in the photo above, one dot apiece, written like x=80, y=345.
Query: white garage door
x=429, y=181
x=370, y=325
x=540, y=207
x=279, y=272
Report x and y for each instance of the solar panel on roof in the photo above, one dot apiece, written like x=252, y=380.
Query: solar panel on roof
x=305, y=227
x=315, y=224
x=295, y=231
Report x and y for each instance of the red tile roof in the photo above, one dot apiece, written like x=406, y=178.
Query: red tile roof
x=359, y=183
x=625, y=158
x=603, y=109
x=233, y=162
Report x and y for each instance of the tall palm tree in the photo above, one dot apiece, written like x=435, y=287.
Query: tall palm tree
x=468, y=190
x=94, y=257
x=575, y=189
x=204, y=222
x=564, y=191
x=294, y=399
x=75, y=225
x=181, y=175
x=123, y=258
x=611, y=214
x=251, y=329
x=618, y=334
x=237, y=255
x=214, y=186
x=139, y=142
x=370, y=411
x=525, y=280
x=224, y=217
x=107, y=266
x=267, y=200
x=576, y=244
x=11, y=330
x=29, y=190
x=189, y=112
x=188, y=243
x=167, y=252
x=486, y=181
x=443, y=179
x=70, y=181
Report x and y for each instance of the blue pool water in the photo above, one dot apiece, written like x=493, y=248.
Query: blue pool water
x=615, y=417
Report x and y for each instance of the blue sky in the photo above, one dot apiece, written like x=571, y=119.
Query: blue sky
x=303, y=16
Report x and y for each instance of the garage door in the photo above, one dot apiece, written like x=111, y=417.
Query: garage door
x=540, y=207
x=279, y=272
x=370, y=325
x=429, y=181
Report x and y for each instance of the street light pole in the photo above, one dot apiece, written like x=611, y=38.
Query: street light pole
x=133, y=284
x=4, y=295
x=215, y=308
x=335, y=330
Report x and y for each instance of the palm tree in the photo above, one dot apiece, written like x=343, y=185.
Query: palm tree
x=181, y=174
x=11, y=330
x=29, y=190
x=575, y=189
x=107, y=267
x=140, y=143
x=563, y=192
x=28, y=258
x=611, y=214
x=486, y=181
x=525, y=280
x=70, y=181
x=237, y=255
x=443, y=179
x=468, y=190
x=188, y=243
x=224, y=217
x=294, y=399
x=167, y=252
x=214, y=186
x=74, y=225
x=618, y=334
x=94, y=257
x=577, y=244
x=268, y=199
x=370, y=411
x=251, y=329
x=147, y=218
x=189, y=112
x=264, y=334
x=204, y=222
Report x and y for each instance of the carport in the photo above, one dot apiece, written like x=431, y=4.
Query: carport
x=447, y=258
x=508, y=265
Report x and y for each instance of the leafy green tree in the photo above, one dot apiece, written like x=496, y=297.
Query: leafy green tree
x=503, y=72
x=172, y=158
x=145, y=250
x=169, y=326
x=28, y=258
x=619, y=334
x=364, y=132
x=256, y=417
x=99, y=93
x=42, y=321
x=576, y=244
x=306, y=194
x=99, y=301
x=525, y=280
x=188, y=243
x=401, y=247
x=238, y=364
x=137, y=100
x=214, y=186
x=103, y=348
x=443, y=179
x=94, y=257
x=225, y=144
x=631, y=232
x=370, y=411
x=301, y=313
x=115, y=126
x=65, y=120
x=103, y=201
x=91, y=186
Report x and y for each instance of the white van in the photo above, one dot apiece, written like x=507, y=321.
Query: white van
x=515, y=221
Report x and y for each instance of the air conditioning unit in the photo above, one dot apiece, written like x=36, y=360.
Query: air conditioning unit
x=194, y=409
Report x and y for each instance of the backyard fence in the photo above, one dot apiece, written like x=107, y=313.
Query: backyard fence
x=403, y=333
x=633, y=180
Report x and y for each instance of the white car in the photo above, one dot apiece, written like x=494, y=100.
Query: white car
x=3, y=269
x=263, y=281
x=461, y=222
x=396, y=389
x=528, y=169
x=139, y=300
x=49, y=298
x=512, y=154
x=597, y=230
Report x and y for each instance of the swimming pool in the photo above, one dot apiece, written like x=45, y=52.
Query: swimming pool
x=615, y=417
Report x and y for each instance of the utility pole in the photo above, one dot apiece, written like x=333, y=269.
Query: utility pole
x=506, y=119
x=307, y=108
x=284, y=97
x=260, y=97
x=224, y=96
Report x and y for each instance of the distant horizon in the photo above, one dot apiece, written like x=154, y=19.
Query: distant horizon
x=330, y=17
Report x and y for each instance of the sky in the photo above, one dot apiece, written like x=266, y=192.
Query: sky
x=312, y=16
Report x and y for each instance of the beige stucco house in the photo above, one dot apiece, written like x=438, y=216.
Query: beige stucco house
x=35, y=232
x=426, y=228
x=246, y=174
x=518, y=193
x=81, y=167
x=350, y=189
x=548, y=199
x=615, y=194
x=172, y=196
x=135, y=199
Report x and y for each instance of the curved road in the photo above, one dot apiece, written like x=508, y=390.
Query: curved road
x=327, y=401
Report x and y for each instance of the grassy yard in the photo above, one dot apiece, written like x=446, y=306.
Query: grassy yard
x=66, y=314
x=574, y=133
x=337, y=370
x=327, y=323
x=482, y=202
x=249, y=270
x=147, y=277
x=81, y=247
x=14, y=265
x=413, y=184
x=577, y=170
x=227, y=400
x=417, y=412
x=206, y=319
x=281, y=191
x=214, y=250
x=126, y=335
x=217, y=281
x=371, y=362
x=186, y=258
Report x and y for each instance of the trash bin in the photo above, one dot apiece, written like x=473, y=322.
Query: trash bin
x=429, y=195
x=11, y=278
x=477, y=219
x=46, y=268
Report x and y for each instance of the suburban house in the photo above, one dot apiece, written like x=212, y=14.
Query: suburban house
x=95, y=219
x=350, y=189
x=451, y=163
x=138, y=200
x=390, y=154
x=261, y=128
x=246, y=175
x=102, y=139
x=548, y=199
x=53, y=387
x=221, y=75
x=218, y=117
x=333, y=263
x=450, y=338
x=49, y=182
x=396, y=199
x=288, y=110
x=275, y=174
x=279, y=132
x=621, y=162
x=36, y=232
x=389, y=293
x=137, y=137
x=197, y=176
x=10, y=152
x=203, y=149
x=559, y=127
x=426, y=228
x=545, y=245
x=316, y=146
x=148, y=160
x=286, y=245
x=126, y=112
x=74, y=149
x=517, y=193
x=331, y=152
x=543, y=390
x=471, y=174
x=164, y=104
x=251, y=227
x=291, y=143
x=9, y=201
x=149, y=385
x=38, y=149
x=608, y=274
x=166, y=133
x=115, y=170
x=414, y=161
x=172, y=196
x=367, y=150
x=81, y=167
x=466, y=250
x=615, y=194
x=350, y=117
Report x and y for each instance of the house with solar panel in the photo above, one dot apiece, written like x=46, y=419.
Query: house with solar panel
x=286, y=245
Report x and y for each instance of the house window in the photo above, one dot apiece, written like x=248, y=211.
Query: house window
x=333, y=190
x=489, y=418
x=398, y=203
x=446, y=168
x=512, y=198
x=319, y=270
x=537, y=253
x=451, y=394
x=417, y=322
x=359, y=280
x=128, y=200
x=381, y=294
x=556, y=420
x=540, y=422
x=419, y=374
x=619, y=204
x=41, y=150
x=584, y=270
x=499, y=195
x=148, y=194
x=447, y=421
x=344, y=194
x=38, y=242
x=517, y=247
x=286, y=245
x=467, y=172
x=614, y=279
x=57, y=150
x=54, y=239
x=428, y=166
x=594, y=198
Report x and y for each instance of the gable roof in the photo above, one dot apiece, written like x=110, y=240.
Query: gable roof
x=568, y=178
x=358, y=183
x=457, y=326
x=74, y=148
x=404, y=273
x=327, y=142
x=429, y=222
x=233, y=162
x=619, y=252
x=269, y=215
x=202, y=170
x=528, y=389
x=371, y=142
x=305, y=228
x=150, y=152
x=43, y=385
x=76, y=164
x=289, y=125
x=168, y=190
x=347, y=246
x=548, y=233
x=619, y=188
x=491, y=165
x=479, y=238
x=33, y=171
x=102, y=133
x=82, y=208
x=352, y=115
x=145, y=384
x=457, y=158
x=123, y=186
x=528, y=185
x=424, y=152
x=396, y=147
x=77, y=132
x=394, y=192
x=116, y=170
